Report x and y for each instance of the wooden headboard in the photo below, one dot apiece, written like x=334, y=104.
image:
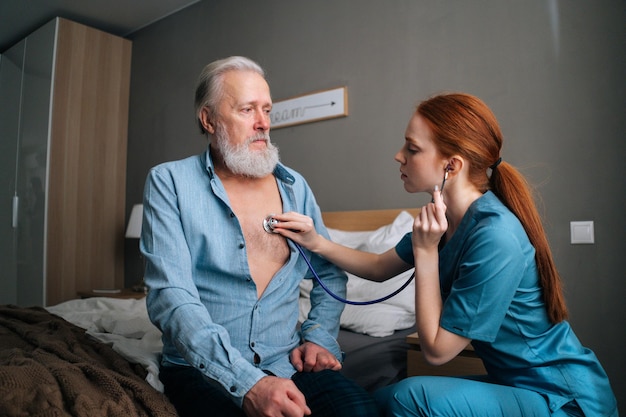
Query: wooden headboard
x=362, y=219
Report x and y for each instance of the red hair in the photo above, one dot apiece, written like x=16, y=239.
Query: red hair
x=463, y=125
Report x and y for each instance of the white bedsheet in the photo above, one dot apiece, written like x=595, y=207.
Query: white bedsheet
x=123, y=324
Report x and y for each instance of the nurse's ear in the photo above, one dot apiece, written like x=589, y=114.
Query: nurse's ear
x=454, y=166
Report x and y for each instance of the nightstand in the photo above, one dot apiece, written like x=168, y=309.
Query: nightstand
x=124, y=293
x=466, y=363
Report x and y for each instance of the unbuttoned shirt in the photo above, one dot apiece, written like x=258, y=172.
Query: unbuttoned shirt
x=492, y=295
x=201, y=294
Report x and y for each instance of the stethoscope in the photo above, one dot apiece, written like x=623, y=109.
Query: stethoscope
x=269, y=223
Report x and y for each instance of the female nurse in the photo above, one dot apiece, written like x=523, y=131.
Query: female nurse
x=484, y=274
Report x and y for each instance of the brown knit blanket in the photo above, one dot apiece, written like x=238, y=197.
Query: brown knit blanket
x=49, y=367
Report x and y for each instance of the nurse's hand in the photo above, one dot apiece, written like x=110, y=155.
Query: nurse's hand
x=430, y=225
x=299, y=228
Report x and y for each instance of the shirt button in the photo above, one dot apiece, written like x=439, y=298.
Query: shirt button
x=201, y=366
x=233, y=389
x=257, y=359
x=232, y=214
x=241, y=246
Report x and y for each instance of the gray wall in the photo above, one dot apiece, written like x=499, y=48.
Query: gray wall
x=553, y=72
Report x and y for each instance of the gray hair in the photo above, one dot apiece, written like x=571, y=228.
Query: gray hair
x=209, y=89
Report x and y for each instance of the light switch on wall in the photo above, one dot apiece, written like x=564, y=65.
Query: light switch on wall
x=581, y=232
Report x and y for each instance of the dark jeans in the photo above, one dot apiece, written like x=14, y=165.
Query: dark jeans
x=327, y=393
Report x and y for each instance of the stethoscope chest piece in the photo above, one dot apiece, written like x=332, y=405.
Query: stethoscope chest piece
x=269, y=223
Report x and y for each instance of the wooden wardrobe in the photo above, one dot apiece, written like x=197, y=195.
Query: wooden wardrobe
x=70, y=141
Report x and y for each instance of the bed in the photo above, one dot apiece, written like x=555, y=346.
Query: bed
x=373, y=337
x=99, y=356
x=51, y=367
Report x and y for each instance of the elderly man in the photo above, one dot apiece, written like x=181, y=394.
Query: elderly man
x=223, y=291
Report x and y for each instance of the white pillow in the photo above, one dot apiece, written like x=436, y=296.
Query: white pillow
x=380, y=319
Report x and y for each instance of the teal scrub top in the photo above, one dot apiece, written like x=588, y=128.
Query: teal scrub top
x=491, y=292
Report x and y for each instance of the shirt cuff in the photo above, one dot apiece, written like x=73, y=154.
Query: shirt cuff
x=237, y=381
x=315, y=334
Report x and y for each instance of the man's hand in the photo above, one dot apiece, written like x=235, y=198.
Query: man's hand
x=273, y=396
x=309, y=357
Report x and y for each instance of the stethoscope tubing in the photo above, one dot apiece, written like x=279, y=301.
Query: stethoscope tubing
x=343, y=300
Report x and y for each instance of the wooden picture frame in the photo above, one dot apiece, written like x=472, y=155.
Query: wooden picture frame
x=310, y=107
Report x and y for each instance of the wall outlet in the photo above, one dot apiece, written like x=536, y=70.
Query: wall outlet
x=581, y=232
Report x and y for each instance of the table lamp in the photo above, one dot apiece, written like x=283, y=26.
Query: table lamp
x=133, y=231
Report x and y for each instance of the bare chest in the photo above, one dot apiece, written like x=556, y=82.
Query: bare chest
x=266, y=252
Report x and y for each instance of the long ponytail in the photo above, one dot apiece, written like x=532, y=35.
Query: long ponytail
x=463, y=124
x=513, y=190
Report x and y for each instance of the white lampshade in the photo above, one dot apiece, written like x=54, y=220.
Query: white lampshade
x=134, y=223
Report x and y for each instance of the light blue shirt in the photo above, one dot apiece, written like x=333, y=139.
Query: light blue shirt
x=202, y=295
x=492, y=295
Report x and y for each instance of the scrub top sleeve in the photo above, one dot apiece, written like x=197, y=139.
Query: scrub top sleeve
x=404, y=249
x=488, y=274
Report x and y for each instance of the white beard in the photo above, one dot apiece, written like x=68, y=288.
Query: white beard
x=239, y=159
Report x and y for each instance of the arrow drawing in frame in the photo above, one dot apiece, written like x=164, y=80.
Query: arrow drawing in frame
x=311, y=107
